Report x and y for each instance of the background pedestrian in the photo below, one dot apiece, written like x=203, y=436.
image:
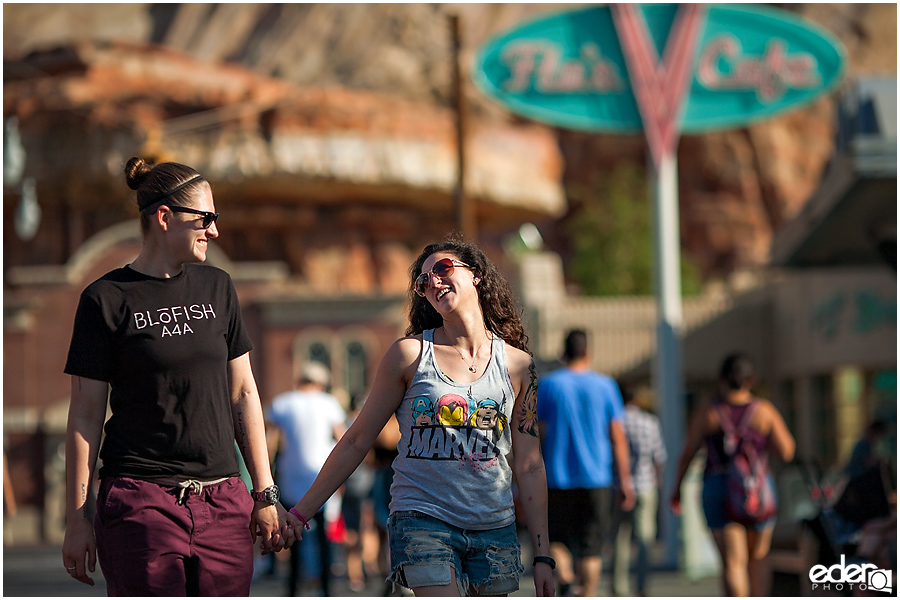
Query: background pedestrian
x=581, y=415
x=647, y=458
x=758, y=426
x=356, y=509
x=305, y=423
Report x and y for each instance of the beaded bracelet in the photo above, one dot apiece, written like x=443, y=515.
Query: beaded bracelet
x=297, y=514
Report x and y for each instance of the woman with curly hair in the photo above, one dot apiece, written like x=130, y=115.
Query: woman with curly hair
x=452, y=520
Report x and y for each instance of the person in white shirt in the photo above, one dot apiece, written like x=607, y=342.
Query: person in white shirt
x=304, y=425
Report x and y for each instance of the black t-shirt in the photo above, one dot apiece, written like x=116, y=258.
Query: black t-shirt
x=163, y=345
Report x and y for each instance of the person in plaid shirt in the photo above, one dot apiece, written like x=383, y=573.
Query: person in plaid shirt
x=648, y=458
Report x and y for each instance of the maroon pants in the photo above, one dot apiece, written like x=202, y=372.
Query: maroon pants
x=149, y=545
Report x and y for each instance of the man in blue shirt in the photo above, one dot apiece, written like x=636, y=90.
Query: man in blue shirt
x=580, y=413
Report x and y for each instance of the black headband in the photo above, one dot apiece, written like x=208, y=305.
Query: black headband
x=159, y=197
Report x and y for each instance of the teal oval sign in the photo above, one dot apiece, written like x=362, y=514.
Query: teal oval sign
x=568, y=69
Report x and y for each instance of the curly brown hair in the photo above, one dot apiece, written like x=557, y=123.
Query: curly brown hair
x=500, y=308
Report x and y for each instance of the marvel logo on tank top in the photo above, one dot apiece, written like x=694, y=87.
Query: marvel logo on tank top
x=458, y=428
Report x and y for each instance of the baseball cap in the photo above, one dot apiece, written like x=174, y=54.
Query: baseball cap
x=315, y=372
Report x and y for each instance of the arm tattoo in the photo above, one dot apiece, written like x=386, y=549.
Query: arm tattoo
x=242, y=436
x=539, y=540
x=528, y=412
x=84, y=506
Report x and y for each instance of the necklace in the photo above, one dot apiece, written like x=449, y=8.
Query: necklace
x=472, y=367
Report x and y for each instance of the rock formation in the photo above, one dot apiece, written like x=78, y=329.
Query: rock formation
x=736, y=187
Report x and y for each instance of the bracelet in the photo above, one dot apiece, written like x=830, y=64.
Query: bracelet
x=544, y=559
x=297, y=514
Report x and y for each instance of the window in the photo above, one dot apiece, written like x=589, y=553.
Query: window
x=318, y=352
x=788, y=405
x=346, y=354
x=823, y=420
x=884, y=395
x=356, y=373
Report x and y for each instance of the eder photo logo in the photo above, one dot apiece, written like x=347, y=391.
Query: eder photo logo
x=853, y=577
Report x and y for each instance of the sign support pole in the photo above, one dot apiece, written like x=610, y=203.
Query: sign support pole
x=660, y=89
x=668, y=380
x=463, y=207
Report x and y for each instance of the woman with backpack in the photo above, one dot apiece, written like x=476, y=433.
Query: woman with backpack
x=739, y=501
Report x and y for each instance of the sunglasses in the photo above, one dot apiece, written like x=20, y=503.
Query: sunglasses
x=208, y=217
x=442, y=268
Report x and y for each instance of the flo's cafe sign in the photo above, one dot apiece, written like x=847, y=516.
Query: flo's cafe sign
x=569, y=69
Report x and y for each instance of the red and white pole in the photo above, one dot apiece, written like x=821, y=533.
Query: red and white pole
x=660, y=89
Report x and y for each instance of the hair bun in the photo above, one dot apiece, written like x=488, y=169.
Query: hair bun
x=135, y=172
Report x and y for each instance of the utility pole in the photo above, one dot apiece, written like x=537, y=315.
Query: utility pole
x=464, y=209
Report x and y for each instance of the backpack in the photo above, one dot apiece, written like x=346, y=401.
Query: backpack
x=749, y=497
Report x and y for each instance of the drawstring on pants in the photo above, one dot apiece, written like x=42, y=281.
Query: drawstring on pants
x=183, y=487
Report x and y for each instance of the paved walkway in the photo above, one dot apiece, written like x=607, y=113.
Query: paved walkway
x=37, y=571
x=668, y=583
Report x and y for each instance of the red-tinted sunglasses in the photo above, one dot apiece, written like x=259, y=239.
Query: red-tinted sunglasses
x=442, y=268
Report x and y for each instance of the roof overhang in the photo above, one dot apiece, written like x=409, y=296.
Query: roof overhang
x=851, y=220
x=246, y=133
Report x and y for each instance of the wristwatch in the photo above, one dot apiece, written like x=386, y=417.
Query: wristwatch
x=544, y=559
x=269, y=495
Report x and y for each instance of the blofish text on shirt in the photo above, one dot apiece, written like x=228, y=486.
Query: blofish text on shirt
x=174, y=319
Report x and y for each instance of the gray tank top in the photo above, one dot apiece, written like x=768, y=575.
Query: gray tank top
x=453, y=446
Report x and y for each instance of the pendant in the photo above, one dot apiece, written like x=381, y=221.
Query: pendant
x=473, y=370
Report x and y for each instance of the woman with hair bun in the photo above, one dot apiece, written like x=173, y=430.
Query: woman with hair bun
x=162, y=338
x=738, y=426
x=452, y=519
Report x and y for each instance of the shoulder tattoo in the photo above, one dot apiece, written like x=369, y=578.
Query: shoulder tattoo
x=528, y=413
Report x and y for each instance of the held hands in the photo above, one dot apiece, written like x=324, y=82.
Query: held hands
x=270, y=521
x=297, y=522
x=79, y=541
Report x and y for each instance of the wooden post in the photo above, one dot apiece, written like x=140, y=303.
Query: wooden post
x=466, y=220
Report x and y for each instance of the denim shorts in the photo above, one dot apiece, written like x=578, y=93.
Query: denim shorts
x=713, y=498
x=424, y=549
